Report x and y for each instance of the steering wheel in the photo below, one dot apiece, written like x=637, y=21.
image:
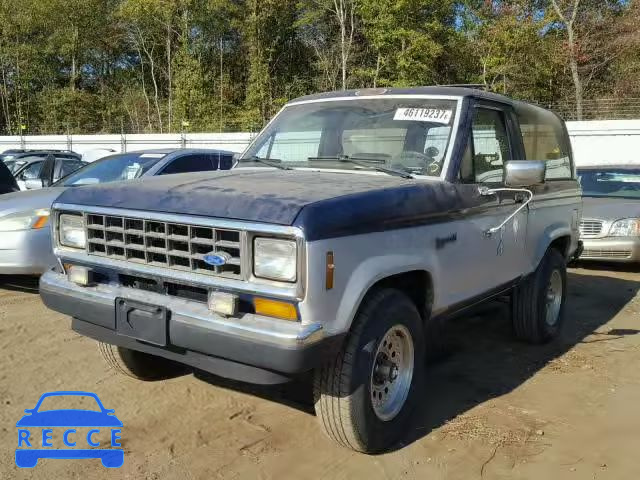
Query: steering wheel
x=420, y=162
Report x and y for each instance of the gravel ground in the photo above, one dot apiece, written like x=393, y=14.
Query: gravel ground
x=494, y=408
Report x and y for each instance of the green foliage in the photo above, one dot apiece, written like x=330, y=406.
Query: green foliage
x=148, y=65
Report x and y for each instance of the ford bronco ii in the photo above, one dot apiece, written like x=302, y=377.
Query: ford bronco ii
x=351, y=226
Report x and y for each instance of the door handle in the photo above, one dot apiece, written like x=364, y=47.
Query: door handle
x=487, y=191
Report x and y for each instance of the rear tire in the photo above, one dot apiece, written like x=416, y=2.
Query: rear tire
x=538, y=302
x=139, y=365
x=382, y=357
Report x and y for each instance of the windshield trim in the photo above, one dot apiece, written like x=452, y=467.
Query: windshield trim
x=452, y=140
x=374, y=97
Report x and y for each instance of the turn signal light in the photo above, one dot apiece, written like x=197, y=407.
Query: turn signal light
x=41, y=222
x=273, y=308
x=331, y=269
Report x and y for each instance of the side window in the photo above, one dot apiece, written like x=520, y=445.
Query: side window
x=490, y=145
x=221, y=161
x=544, y=138
x=189, y=163
x=31, y=172
x=67, y=167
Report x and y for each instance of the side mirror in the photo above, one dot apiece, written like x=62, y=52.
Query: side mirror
x=525, y=173
x=33, y=184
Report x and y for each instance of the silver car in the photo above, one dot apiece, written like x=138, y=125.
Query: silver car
x=25, y=240
x=610, y=226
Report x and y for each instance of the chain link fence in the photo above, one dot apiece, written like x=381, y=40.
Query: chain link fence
x=599, y=109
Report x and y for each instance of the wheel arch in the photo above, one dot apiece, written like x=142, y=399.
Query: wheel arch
x=417, y=284
x=557, y=236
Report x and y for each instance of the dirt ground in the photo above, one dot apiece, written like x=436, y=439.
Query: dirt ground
x=494, y=408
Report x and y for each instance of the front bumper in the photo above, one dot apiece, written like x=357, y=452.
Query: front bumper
x=612, y=249
x=251, y=348
x=26, y=252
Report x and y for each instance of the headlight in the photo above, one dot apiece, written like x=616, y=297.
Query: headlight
x=32, y=219
x=629, y=227
x=275, y=259
x=71, y=228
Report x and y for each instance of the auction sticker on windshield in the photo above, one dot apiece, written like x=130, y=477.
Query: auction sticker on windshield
x=435, y=115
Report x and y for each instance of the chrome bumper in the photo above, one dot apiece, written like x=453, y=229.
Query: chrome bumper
x=26, y=252
x=249, y=326
x=250, y=348
x=611, y=249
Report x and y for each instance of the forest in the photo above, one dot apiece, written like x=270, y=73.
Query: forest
x=159, y=66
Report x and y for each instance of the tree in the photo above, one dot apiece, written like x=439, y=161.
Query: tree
x=512, y=56
x=147, y=65
x=342, y=15
x=408, y=38
x=567, y=12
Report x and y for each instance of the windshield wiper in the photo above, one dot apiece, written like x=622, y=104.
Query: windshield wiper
x=369, y=163
x=272, y=162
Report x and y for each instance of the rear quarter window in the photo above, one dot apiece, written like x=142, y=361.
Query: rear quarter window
x=544, y=138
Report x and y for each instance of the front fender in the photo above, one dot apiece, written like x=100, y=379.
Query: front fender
x=371, y=271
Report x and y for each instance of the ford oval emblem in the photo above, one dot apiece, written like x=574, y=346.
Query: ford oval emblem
x=217, y=259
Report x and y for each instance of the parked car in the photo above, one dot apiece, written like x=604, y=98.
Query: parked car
x=610, y=227
x=8, y=184
x=12, y=158
x=25, y=238
x=41, y=172
x=9, y=154
x=349, y=229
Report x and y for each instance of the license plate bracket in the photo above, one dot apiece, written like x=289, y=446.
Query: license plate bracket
x=142, y=321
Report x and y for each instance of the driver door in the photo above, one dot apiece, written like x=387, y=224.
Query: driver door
x=487, y=263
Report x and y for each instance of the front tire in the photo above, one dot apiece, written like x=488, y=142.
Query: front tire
x=139, y=365
x=365, y=397
x=538, y=303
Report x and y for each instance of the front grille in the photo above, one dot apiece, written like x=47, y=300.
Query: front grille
x=606, y=253
x=163, y=244
x=590, y=228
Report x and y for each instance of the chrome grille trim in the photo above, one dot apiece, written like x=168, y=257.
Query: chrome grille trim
x=606, y=253
x=249, y=230
x=178, y=246
x=591, y=228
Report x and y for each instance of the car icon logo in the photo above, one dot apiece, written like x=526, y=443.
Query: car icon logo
x=217, y=259
x=64, y=425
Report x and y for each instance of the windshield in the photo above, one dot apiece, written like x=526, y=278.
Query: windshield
x=620, y=183
x=410, y=135
x=126, y=166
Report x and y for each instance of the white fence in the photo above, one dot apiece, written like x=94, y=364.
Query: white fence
x=594, y=142
x=235, y=142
